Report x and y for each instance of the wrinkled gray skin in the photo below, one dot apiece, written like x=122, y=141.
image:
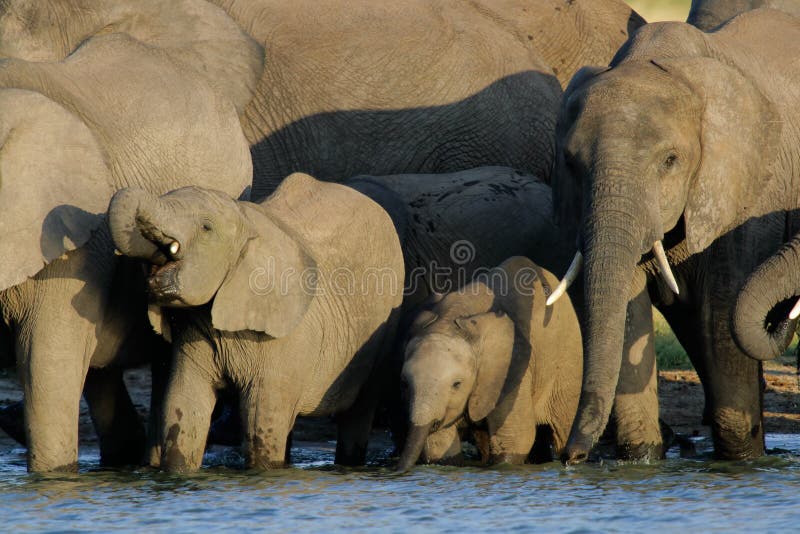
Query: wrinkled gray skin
x=284, y=301
x=708, y=14
x=691, y=138
x=87, y=110
x=415, y=86
x=469, y=221
x=493, y=355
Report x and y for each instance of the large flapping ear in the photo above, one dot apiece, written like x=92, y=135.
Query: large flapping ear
x=567, y=197
x=491, y=335
x=273, y=284
x=740, y=132
x=54, y=184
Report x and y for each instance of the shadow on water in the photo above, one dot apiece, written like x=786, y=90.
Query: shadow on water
x=686, y=493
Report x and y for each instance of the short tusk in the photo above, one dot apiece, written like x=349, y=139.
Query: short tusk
x=174, y=247
x=663, y=267
x=572, y=274
x=795, y=313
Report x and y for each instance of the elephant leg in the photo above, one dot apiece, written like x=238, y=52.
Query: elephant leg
x=52, y=367
x=512, y=427
x=12, y=421
x=159, y=376
x=635, y=412
x=188, y=403
x=443, y=447
x=355, y=425
x=268, y=423
x=734, y=400
x=119, y=428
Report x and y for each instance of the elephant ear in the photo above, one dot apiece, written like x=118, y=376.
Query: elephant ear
x=273, y=284
x=491, y=335
x=54, y=184
x=740, y=135
x=567, y=195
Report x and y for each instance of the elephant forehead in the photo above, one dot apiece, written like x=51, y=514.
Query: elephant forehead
x=428, y=348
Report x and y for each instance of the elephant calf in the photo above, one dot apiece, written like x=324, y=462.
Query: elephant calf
x=495, y=356
x=283, y=300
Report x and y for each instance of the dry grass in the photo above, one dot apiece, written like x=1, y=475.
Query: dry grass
x=655, y=10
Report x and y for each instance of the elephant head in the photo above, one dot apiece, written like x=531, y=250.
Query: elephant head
x=457, y=359
x=205, y=246
x=671, y=150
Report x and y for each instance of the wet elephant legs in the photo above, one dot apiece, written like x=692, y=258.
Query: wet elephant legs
x=635, y=412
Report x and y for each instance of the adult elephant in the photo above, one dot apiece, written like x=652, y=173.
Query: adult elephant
x=361, y=87
x=115, y=111
x=708, y=14
x=681, y=152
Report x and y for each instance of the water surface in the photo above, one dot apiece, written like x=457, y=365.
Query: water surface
x=675, y=494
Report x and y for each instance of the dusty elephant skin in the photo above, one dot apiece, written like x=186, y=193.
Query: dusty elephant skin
x=96, y=96
x=690, y=139
x=283, y=301
x=709, y=14
x=494, y=354
x=362, y=87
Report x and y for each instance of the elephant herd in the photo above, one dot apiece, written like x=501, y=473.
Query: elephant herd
x=349, y=207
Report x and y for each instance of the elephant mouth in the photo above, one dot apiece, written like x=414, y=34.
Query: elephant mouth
x=162, y=281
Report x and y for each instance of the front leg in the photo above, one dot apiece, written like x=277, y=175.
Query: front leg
x=512, y=426
x=188, y=404
x=268, y=423
x=636, y=403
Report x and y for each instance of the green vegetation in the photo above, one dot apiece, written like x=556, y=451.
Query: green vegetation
x=669, y=353
x=654, y=10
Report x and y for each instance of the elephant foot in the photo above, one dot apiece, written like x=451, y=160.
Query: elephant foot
x=12, y=421
x=736, y=436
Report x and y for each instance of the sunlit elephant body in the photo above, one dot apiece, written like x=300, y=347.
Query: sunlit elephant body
x=285, y=301
x=362, y=87
x=493, y=355
x=690, y=139
x=86, y=110
x=709, y=14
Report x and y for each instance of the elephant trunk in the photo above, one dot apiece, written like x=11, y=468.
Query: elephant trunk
x=761, y=324
x=129, y=210
x=612, y=246
x=415, y=442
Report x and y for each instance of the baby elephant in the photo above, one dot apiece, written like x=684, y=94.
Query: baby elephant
x=285, y=301
x=494, y=356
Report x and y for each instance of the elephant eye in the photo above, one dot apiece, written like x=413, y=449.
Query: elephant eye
x=670, y=161
x=207, y=227
x=457, y=384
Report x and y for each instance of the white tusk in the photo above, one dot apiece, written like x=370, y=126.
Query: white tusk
x=795, y=313
x=117, y=252
x=572, y=274
x=174, y=247
x=663, y=267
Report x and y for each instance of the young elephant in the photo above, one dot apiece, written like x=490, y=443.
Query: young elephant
x=282, y=300
x=492, y=354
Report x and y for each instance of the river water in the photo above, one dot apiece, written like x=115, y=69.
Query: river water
x=315, y=496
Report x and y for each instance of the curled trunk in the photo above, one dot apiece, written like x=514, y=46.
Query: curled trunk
x=415, y=442
x=127, y=210
x=761, y=324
